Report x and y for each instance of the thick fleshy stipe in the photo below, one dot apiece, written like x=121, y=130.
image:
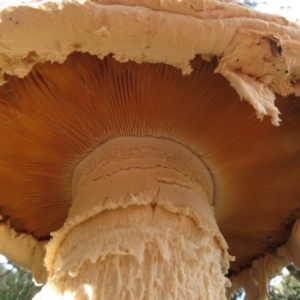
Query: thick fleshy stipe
x=142, y=252
x=153, y=236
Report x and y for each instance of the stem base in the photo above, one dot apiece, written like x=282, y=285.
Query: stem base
x=141, y=252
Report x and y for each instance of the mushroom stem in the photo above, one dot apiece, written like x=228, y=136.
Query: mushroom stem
x=141, y=227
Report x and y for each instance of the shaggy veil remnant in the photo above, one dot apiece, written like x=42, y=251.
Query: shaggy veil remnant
x=138, y=253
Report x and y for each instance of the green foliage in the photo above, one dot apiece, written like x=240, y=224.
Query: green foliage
x=288, y=289
x=16, y=283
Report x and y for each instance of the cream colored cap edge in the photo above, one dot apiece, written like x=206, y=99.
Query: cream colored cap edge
x=257, y=53
x=25, y=251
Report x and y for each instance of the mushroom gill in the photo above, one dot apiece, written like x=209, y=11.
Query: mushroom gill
x=59, y=113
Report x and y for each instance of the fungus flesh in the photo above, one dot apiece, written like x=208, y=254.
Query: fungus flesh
x=139, y=173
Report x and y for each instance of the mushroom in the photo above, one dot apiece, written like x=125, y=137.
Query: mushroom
x=128, y=165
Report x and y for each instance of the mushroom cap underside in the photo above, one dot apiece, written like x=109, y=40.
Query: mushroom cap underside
x=59, y=113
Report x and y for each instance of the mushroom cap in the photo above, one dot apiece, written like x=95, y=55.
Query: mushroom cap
x=56, y=106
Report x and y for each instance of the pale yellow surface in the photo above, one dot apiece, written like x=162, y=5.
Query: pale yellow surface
x=25, y=251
